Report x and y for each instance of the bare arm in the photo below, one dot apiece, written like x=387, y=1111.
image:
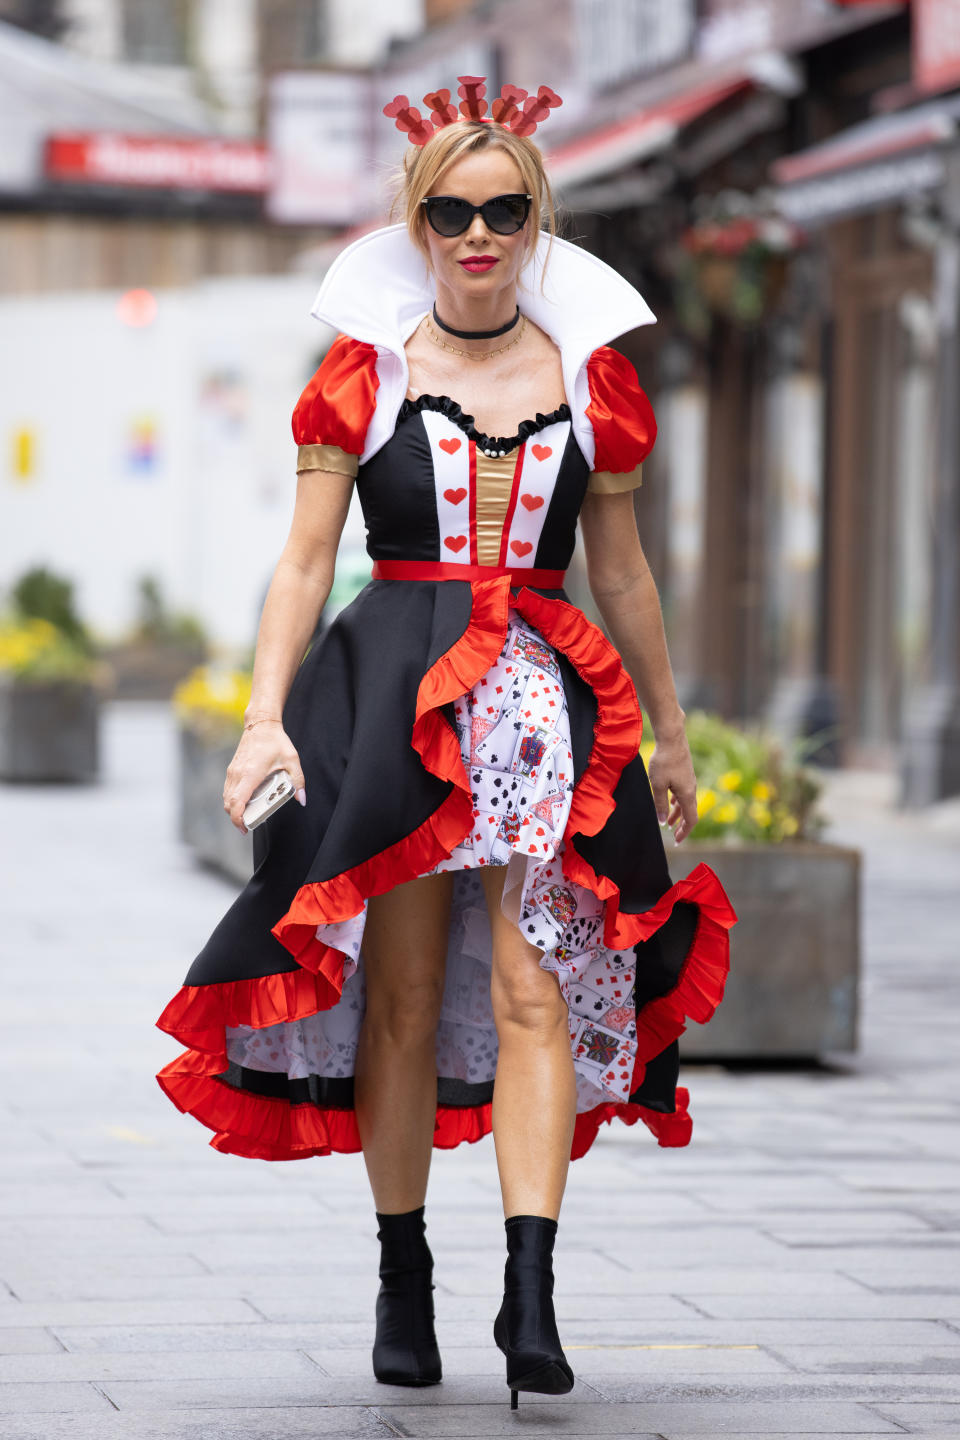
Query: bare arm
x=626, y=596
x=298, y=592
x=299, y=589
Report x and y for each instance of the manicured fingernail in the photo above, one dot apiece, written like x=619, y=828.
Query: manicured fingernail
x=302, y=796
x=662, y=819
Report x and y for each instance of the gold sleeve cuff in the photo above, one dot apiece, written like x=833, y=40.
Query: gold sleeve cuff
x=326, y=457
x=605, y=482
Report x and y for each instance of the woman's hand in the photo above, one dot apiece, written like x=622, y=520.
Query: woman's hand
x=262, y=749
x=671, y=768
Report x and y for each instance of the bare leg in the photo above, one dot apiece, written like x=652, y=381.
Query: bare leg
x=534, y=1098
x=395, y=1089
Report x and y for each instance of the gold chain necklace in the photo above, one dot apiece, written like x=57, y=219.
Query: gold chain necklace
x=473, y=354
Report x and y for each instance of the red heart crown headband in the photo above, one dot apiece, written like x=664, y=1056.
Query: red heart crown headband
x=513, y=108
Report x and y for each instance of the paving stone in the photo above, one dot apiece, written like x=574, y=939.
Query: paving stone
x=120, y=1312
x=125, y=1339
x=200, y=1285
x=17, y=1398
x=289, y=1423
x=744, y=1280
x=919, y=1417
x=791, y=1389
x=650, y=1419
x=839, y=1359
x=32, y=1342
x=868, y=1305
x=101, y=1367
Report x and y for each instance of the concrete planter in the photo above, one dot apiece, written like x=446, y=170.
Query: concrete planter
x=793, y=986
x=49, y=729
x=145, y=671
x=204, y=824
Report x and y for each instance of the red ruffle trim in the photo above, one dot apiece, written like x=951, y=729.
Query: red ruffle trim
x=696, y=995
x=260, y=1127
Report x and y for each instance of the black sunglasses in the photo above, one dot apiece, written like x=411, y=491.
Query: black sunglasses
x=504, y=214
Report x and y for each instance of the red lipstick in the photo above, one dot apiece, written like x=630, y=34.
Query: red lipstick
x=478, y=263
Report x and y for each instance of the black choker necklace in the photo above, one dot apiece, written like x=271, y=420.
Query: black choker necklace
x=476, y=334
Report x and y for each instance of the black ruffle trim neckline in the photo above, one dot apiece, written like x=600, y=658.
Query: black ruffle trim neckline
x=489, y=444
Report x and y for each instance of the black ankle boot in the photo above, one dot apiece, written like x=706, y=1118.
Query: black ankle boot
x=525, y=1328
x=405, y=1349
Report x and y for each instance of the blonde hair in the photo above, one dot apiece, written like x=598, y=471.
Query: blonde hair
x=425, y=165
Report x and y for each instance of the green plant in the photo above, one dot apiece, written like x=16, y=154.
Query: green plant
x=750, y=786
x=161, y=626
x=41, y=594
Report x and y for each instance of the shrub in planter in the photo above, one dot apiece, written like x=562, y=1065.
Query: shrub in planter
x=209, y=705
x=161, y=648
x=50, y=692
x=792, y=991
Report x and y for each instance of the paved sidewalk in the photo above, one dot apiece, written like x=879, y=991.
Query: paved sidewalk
x=793, y=1271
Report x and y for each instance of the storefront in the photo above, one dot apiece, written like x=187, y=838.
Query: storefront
x=881, y=202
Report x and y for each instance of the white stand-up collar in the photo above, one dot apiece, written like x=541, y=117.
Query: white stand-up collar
x=379, y=288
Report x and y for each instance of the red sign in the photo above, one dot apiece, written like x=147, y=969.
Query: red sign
x=107, y=158
x=936, y=44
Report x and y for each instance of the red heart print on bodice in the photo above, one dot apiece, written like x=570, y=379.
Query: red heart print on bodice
x=532, y=502
x=521, y=547
x=455, y=542
x=542, y=452
x=451, y=446
x=454, y=496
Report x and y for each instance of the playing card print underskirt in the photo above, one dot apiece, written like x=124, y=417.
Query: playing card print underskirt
x=515, y=744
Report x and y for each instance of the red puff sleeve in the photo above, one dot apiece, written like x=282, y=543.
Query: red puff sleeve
x=623, y=421
x=331, y=417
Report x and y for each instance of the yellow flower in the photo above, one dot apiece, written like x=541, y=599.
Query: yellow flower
x=24, y=641
x=706, y=802
x=725, y=813
x=761, y=813
x=761, y=790
x=789, y=825
x=730, y=779
x=210, y=693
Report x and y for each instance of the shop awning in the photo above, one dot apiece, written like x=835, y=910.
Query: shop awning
x=869, y=165
x=646, y=132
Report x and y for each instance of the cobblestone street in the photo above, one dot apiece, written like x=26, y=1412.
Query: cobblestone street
x=793, y=1271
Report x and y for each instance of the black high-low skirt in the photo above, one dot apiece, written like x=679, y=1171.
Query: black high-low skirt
x=447, y=725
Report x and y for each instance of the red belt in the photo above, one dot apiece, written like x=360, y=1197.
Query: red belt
x=450, y=570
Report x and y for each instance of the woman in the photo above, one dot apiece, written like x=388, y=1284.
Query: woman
x=423, y=922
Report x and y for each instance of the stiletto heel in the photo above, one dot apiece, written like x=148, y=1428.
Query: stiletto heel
x=405, y=1349
x=525, y=1328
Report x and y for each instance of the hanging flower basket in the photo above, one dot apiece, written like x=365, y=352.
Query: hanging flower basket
x=736, y=269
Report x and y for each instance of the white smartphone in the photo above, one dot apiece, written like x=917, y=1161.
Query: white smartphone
x=269, y=795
